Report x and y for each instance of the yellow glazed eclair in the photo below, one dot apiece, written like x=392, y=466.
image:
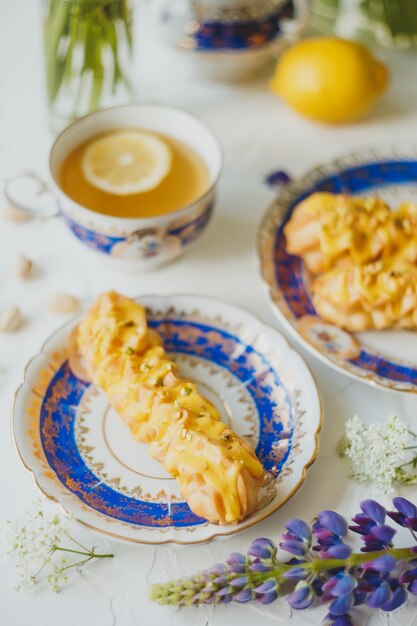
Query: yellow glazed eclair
x=218, y=474
x=326, y=229
x=379, y=295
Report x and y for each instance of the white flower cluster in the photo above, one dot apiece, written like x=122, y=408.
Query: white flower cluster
x=31, y=540
x=375, y=452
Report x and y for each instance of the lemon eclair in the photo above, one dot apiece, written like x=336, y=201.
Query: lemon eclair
x=218, y=473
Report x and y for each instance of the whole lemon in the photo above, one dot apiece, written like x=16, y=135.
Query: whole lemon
x=329, y=79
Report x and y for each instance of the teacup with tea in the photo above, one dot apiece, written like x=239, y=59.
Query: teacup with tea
x=136, y=183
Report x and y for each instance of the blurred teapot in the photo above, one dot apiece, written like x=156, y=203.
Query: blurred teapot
x=232, y=39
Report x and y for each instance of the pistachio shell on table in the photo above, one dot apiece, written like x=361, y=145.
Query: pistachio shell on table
x=23, y=267
x=10, y=319
x=17, y=214
x=62, y=303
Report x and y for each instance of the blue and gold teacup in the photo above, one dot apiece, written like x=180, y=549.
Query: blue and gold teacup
x=138, y=243
x=232, y=39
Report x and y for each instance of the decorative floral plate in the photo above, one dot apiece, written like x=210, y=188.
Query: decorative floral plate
x=83, y=456
x=384, y=358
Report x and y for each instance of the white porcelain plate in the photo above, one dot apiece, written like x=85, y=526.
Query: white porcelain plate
x=82, y=455
x=383, y=358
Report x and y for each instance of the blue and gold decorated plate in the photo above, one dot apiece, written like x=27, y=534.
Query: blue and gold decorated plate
x=82, y=455
x=384, y=358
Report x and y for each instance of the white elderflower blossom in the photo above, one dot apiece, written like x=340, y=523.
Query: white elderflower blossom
x=376, y=452
x=41, y=546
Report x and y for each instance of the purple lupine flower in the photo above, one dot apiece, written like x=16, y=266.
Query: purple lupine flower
x=236, y=568
x=296, y=573
x=382, y=595
x=236, y=558
x=412, y=587
x=259, y=574
x=267, y=592
x=383, y=532
x=325, y=535
x=244, y=595
x=302, y=597
x=340, y=551
x=225, y=599
x=267, y=598
x=342, y=604
x=333, y=522
x=339, y=620
x=362, y=524
x=332, y=582
x=329, y=530
x=299, y=530
x=317, y=586
x=210, y=600
x=385, y=563
x=298, y=548
x=408, y=576
x=406, y=513
x=398, y=598
x=370, y=524
x=258, y=566
x=262, y=548
x=224, y=591
x=280, y=178
x=405, y=507
x=369, y=581
x=325, y=539
x=345, y=584
x=378, y=538
x=359, y=597
x=269, y=585
x=374, y=511
x=297, y=539
x=240, y=581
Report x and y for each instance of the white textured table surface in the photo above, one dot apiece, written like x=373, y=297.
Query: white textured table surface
x=259, y=135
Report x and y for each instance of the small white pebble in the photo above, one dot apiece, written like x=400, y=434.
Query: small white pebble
x=23, y=267
x=10, y=319
x=62, y=303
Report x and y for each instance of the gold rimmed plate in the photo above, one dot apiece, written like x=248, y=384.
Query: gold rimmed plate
x=83, y=456
x=386, y=359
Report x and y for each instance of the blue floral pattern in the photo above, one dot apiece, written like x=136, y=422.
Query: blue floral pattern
x=185, y=233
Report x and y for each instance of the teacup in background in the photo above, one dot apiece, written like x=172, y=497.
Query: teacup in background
x=231, y=39
x=134, y=243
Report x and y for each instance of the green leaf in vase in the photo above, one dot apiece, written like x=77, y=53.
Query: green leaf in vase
x=79, y=35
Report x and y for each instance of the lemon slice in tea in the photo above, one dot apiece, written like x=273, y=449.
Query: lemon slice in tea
x=126, y=162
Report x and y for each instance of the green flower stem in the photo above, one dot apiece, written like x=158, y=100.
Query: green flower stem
x=318, y=566
x=356, y=559
x=88, y=553
x=413, y=462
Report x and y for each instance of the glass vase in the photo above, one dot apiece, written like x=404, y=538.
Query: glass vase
x=88, y=56
x=391, y=23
